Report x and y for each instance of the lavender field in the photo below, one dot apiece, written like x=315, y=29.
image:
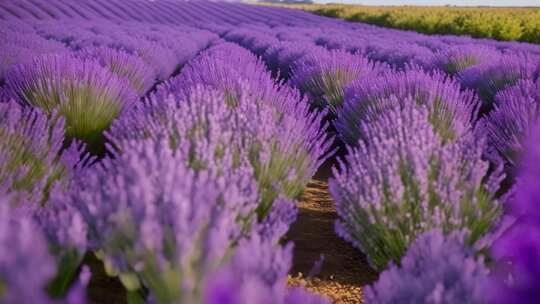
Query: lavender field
x=205, y=152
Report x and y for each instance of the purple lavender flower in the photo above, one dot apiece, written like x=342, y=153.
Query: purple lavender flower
x=30, y=145
x=457, y=58
x=516, y=110
x=157, y=223
x=324, y=75
x=257, y=273
x=25, y=263
x=516, y=276
x=140, y=75
x=451, y=110
x=249, y=115
x=435, y=269
x=490, y=78
x=424, y=184
x=87, y=95
x=281, y=56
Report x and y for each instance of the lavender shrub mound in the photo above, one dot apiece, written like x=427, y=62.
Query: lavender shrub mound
x=492, y=77
x=88, y=96
x=435, y=269
x=452, y=111
x=250, y=115
x=517, y=277
x=31, y=154
x=324, y=75
x=516, y=110
x=170, y=228
x=424, y=184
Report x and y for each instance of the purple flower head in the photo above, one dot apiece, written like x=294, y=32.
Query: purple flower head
x=424, y=184
x=25, y=263
x=490, y=78
x=516, y=111
x=398, y=55
x=324, y=75
x=280, y=57
x=257, y=273
x=30, y=152
x=227, y=68
x=435, y=269
x=159, y=223
x=87, y=95
x=527, y=193
x=517, y=275
x=451, y=110
x=249, y=115
x=162, y=59
x=139, y=74
x=457, y=58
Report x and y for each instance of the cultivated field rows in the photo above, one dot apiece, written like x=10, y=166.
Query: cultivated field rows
x=159, y=152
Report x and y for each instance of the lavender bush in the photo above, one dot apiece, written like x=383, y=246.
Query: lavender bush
x=516, y=110
x=492, y=77
x=435, y=269
x=31, y=153
x=87, y=95
x=324, y=75
x=455, y=59
x=517, y=275
x=248, y=115
x=451, y=110
x=140, y=75
x=424, y=184
x=157, y=223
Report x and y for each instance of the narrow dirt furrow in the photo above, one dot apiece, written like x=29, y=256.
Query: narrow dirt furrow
x=344, y=269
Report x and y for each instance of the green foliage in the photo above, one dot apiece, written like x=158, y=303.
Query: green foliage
x=521, y=24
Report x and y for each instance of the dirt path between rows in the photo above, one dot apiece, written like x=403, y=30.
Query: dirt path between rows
x=344, y=269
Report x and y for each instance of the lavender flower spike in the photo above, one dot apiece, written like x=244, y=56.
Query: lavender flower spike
x=517, y=275
x=516, y=111
x=25, y=263
x=435, y=269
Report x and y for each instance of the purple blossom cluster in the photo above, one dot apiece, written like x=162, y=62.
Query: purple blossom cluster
x=435, y=269
x=159, y=224
x=517, y=252
x=324, y=75
x=515, y=112
x=424, y=184
x=26, y=264
x=217, y=105
x=31, y=153
x=492, y=77
x=451, y=110
x=87, y=95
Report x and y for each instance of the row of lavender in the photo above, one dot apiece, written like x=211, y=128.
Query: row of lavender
x=187, y=195
x=445, y=115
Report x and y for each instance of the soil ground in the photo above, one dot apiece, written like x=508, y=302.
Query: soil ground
x=344, y=269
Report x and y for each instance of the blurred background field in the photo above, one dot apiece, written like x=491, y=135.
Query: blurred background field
x=500, y=23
